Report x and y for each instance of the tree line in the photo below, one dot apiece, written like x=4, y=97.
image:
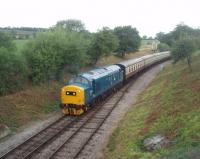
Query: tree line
x=21, y=32
x=65, y=47
x=183, y=41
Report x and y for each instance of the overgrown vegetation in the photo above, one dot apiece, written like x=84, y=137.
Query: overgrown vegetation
x=29, y=105
x=129, y=39
x=51, y=53
x=13, y=69
x=103, y=44
x=63, y=48
x=183, y=41
x=183, y=50
x=169, y=106
x=163, y=47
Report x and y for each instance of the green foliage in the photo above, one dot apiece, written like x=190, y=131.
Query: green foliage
x=183, y=49
x=180, y=32
x=183, y=40
x=6, y=41
x=103, y=43
x=129, y=39
x=21, y=32
x=50, y=53
x=12, y=66
x=20, y=45
x=12, y=73
x=163, y=47
x=71, y=25
x=165, y=38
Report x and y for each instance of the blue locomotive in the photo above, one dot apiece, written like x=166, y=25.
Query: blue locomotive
x=88, y=88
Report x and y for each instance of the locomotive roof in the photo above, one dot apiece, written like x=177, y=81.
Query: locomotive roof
x=100, y=72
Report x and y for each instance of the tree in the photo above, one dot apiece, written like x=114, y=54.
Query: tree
x=71, y=25
x=165, y=38
x=163, y=47
x=6, y=41
x=53, y=52
x=103, y=43
x=180, y=32
x=183, y=49
x=13, y=71
x=129, y=39
x=12, y=66
x=144, y=37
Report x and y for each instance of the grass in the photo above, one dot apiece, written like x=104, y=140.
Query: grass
x=169, y=106
x=22, y=107
x=20, y=44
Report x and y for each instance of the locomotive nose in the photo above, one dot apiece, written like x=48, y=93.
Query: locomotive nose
x=72, y=94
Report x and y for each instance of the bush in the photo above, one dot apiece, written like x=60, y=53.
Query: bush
x=163, y=47
x=54, y=51
x=6, y=41
x=183, y=49
x=104, y=42
x=12, y=73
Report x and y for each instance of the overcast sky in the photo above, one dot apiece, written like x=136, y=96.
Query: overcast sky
x=148, y=16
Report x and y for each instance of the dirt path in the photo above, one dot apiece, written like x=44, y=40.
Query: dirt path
x=96, y=146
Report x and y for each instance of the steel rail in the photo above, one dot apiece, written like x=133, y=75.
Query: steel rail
x=30, y=142
x=95, y=112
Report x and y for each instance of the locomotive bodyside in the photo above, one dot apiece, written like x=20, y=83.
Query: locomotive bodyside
x=78, y=95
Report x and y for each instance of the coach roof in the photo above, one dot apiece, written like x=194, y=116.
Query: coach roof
x=130, y=62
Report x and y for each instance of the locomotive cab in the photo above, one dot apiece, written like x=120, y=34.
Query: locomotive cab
x=76, y=95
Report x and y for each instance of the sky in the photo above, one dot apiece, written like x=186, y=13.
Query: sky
x=148, y=16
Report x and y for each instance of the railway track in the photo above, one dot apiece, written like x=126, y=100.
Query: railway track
x=74, y=146
x=80, y=131
x=37, y=141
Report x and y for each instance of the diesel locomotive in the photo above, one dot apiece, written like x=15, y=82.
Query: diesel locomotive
x=83, y=91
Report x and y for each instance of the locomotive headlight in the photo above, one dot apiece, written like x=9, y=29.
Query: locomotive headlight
x=69, y=93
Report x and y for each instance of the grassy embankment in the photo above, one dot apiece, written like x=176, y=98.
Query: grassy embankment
x=169, y=106
x=35, y=102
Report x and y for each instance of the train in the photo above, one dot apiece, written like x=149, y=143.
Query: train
x=86, y=89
